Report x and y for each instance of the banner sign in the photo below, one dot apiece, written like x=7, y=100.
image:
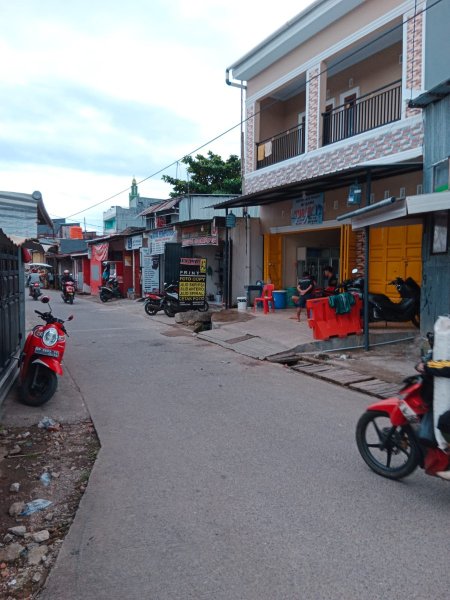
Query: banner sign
x=159, y=238
x=200, y=235
x=192, y=286
x=308, y=210
x=150, y=271
x=133, y=243
x=100, y=251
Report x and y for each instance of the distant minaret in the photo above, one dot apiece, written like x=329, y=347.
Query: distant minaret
x=133, y=196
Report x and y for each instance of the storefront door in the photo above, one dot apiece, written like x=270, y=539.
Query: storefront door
x=273, y=259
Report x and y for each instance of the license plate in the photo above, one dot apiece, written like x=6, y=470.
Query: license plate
x=47, y=352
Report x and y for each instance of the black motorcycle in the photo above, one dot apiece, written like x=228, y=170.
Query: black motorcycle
x=110, y=291
x=381, y=308
x=171, y=303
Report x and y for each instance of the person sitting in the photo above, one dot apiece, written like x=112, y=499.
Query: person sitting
x=305, y=289
x=330, y=280
x=33, y=278
x=66, y=278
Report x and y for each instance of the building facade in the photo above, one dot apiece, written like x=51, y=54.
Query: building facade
x=329, y=127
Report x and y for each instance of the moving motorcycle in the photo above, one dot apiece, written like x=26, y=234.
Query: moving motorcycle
x=68, y=291
x=110, y=290
x=395, y=436
x=381, y=308
x=35, y=290
x=40, y=360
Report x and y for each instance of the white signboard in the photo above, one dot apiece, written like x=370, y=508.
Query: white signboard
x=159, y=238
x=308, y=210
x=133, y=243
x=150, y=271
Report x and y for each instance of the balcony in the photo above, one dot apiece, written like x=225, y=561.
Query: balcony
x=280, y=147
x=365, y=113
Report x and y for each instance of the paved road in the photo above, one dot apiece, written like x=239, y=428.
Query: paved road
x=225, y=478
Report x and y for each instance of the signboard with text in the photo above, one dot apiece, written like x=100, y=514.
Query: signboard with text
x=192, y=281
x=159, y=238
x=307, y=210
x=200, y=235
x=150, y=271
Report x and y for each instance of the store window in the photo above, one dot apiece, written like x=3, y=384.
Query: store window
x=440, y=232
x=440, y=176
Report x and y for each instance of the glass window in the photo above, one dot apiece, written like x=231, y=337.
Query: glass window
x=440, y=176
x=440, y=232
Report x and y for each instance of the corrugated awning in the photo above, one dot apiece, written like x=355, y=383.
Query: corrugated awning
x=380, y=169
x=398, y=211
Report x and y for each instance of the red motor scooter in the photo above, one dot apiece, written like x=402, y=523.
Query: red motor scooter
x=40, y=361
x=391, y=436
x=68, y=291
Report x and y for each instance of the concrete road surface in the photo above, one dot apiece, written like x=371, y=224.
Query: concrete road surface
x=225, y=478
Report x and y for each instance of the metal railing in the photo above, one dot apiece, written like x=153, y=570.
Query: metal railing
x=10, y=307
x=377, y=108
x=280, y=147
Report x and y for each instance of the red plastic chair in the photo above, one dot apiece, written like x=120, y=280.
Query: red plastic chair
x=265, y=298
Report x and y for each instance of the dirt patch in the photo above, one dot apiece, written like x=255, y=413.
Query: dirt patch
x=231, y=316
x=48, y=464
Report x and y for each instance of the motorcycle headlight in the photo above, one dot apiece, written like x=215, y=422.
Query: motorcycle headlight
x=50, y=336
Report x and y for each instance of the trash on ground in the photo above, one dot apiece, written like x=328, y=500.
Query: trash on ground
x=49, y=424
x=34, y=506
x=45, y=478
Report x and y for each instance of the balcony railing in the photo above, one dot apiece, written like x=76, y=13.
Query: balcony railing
x=367, y=112
x=280, y=147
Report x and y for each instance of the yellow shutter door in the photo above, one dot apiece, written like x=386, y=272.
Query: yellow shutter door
x=272, y=259
x=347, y=252
x=394, y=252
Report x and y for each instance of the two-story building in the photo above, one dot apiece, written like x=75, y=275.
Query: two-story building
x=328, y=129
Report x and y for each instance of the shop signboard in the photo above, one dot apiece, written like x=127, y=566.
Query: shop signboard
x=192, y=281
x=307, y=210
x=159, y=238
x=133, y=243
x=150, y=271
x=200, y=235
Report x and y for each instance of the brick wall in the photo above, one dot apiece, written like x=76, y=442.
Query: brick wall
x=414, y=31
x=313, y=108
x=250, y=140
x=378, y=145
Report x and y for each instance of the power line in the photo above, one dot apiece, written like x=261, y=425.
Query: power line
x=261, y=110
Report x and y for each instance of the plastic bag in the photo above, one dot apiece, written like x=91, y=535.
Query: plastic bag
x=34, y=506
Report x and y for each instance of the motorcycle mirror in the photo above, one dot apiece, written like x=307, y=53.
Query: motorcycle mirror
x=69, y=318
x=45, y=299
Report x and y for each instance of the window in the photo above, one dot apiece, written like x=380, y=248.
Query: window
x=439, y=238
x=440, y=176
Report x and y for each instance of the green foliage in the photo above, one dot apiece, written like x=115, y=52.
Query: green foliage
x=208, y=175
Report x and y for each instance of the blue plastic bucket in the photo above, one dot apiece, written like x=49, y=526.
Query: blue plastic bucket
x=279, y=298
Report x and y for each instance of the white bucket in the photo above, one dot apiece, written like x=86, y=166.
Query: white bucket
x=242, y=303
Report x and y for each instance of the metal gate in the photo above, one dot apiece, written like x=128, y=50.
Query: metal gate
x=11, y=307
x=172, y=255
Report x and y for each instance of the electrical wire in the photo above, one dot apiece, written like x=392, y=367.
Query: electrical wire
x=261, y=110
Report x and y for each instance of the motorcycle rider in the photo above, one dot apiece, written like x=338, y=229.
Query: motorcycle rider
x=67, y=277
x=33, y=278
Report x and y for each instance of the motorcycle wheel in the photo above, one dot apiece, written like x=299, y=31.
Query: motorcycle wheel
x=104, y=297
x=151, y=309
x=38, y=387
x=390, y=451
x=204, y=307
x=168, y=310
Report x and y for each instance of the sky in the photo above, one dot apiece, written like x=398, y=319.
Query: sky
x=94, y=93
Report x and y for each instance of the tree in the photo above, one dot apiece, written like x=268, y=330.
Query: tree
x=208, y=175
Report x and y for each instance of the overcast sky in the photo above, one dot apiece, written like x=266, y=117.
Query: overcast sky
x=94, y=93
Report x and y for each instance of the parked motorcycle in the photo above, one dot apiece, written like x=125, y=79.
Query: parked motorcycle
x=35, y=290
x=110, y=291
x=171, y=302
x=381, y=308
x=40, y=360
x=68, y=291
x=155, y=301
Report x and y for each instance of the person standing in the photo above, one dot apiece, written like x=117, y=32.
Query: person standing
x=305, y=289
x=330, y=282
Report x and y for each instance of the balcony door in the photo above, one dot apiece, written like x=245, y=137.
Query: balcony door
x=349, y=120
